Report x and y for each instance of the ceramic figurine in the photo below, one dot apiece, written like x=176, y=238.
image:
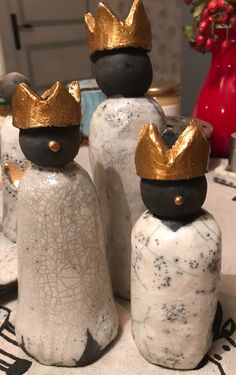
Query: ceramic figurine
x=124, y=73
x=12, y=159
x=176, y=251
x=66, y=314
x=13, y=163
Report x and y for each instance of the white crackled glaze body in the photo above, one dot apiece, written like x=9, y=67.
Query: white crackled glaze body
x=174, y=288
x=113, y=138
x=10, y=152
x=66, y=314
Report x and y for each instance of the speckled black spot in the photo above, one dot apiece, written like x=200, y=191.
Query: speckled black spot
x=193, y=264
x=214, y=265
x=167, y=282
x=174, y=312
x=173, y=359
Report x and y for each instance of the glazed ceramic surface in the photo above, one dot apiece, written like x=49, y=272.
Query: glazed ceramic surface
x=66, y=314
x=10, y=153
x=174, y=288
x=113, y=138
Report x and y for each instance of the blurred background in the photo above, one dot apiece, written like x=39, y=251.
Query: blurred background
x=46, y=41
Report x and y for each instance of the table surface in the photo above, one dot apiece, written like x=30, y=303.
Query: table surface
x=123, y=358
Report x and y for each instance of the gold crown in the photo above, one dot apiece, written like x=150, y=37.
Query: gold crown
x=107, y=31
x=56, y=107
x=188, y=158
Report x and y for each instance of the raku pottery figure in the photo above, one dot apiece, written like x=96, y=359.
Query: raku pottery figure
x=176, y=251
x=66, y=314
x=124, y=73
x=13, y=164
x=12, y=158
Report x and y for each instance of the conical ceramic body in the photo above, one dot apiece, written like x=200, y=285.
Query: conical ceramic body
x=114, y=131
x=66, y=314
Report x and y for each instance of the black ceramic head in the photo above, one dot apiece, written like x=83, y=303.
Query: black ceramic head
x=174, y=199
x=8, y=84
x=50, y=146
x=125, y=71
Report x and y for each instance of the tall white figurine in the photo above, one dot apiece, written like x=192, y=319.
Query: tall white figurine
x=65, y=314
x=13, y=164
x=176, y=251
x=119, y=52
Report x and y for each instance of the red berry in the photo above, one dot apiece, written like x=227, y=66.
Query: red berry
x=209, y=44
x=200, y=40
x=229, y=8
x=204, y=25
x=205, y=13
x=233, y=21
x=224, y=46
x=224, y=18
x=213, y=6
x=221, y=4
x=187, y=2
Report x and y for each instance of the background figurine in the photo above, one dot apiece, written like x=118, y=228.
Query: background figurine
x=176, y=251
x=66, y=314
x=13, y=163
x=124, y=73
x=12, y=158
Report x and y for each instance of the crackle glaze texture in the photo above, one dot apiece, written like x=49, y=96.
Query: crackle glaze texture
x=66, y=314
x=10, y=153
x=114, y=130
x=174, y=288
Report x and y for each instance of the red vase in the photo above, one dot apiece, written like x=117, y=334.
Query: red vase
x=216, y=102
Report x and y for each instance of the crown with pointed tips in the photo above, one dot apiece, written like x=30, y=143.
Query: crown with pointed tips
x=56, y=107
x=187, y=159
x=108, y=32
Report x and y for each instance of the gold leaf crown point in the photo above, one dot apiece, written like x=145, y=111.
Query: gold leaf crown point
x=57, y=106
x=74, y=90
x=106, y=31
x=149, y=138
x=187, y=159
x=90, y=22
